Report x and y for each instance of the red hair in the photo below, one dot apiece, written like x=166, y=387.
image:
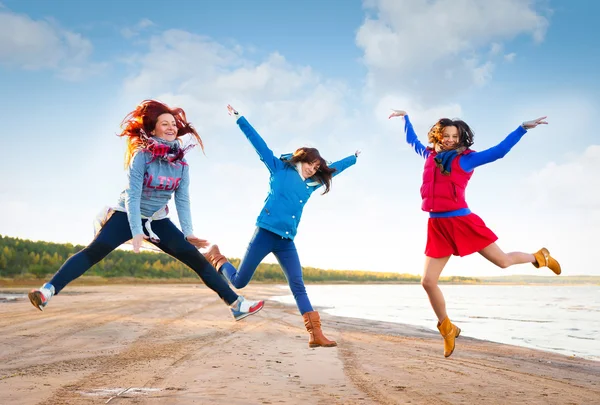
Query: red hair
x=139, y=124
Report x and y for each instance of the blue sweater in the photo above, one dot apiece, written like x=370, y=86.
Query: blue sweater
x=288, y=192
x=151, y=186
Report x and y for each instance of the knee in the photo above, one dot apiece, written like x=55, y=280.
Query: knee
x=239, y=283
x=429, y=283
x=504, y=262
x=297, y=286
x=96, y=251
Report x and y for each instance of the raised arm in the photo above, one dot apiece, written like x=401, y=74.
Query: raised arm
x=345, y=163
x=260, y=146
x=411, y=136
x=341, y=165
x=472, y=160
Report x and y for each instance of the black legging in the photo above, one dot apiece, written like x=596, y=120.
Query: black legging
x=116, y=231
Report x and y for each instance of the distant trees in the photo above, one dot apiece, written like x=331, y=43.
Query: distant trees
x=27, y=259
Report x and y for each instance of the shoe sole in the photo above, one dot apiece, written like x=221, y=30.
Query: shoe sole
x=313, y=345
x=36, y=300
x=239, y=318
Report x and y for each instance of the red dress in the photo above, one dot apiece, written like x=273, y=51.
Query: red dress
x=454, y=235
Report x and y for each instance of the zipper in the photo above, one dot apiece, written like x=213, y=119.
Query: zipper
x=433, y=188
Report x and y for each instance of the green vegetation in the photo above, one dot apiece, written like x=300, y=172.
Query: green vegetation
x=25, y=259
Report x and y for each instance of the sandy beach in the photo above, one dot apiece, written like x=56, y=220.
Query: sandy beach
x=177, y=344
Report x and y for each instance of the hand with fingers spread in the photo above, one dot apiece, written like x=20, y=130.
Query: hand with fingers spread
x=397, y=113
x=233, y=112
x=357, y=152
x=197, y=242
x=534, y=123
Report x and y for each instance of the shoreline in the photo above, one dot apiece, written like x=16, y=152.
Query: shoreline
x=177, y=344
x=6, y=284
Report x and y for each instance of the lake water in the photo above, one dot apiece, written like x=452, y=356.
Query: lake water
x=561, y=319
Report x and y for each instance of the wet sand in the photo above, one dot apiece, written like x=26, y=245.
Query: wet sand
x=177, y=344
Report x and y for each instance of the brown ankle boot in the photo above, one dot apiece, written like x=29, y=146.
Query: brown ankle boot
x=543, y=259
x=312, y=321
x=449, y=332
x=214, y=257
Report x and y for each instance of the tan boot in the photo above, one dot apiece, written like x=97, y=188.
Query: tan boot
x=543, y=259
x=449, y=332
x=214, y=257
x=312, y=321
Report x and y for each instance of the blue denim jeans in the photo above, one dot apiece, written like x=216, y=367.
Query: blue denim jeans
x=262, y=243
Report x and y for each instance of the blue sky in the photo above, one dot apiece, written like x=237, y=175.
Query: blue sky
x=323, y=74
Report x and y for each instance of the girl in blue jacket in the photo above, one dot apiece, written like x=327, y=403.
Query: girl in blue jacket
x=157, y=169
x=293, y=178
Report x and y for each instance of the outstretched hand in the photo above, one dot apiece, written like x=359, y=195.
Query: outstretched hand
x=397, y=113
x=197, y=242
x=534, y=123
x=137, y=242
x=357, y=152
x=232, y=111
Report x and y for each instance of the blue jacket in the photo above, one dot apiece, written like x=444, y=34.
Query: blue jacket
x=288, y=192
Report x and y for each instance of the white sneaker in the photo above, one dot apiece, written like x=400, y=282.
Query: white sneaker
x=242, y=308
x=39, y=298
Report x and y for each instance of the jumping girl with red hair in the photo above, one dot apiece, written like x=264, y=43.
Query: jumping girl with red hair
x=156, y=169
x=452, y=228
x=293, y=178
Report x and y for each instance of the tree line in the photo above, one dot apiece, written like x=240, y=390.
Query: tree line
x=25, y=259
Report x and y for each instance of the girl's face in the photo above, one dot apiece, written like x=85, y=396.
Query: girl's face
x=309, y=169
x=450, y=137
x=166, y=127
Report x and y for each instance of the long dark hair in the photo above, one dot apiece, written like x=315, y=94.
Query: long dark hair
x=465, y=133
x=308, y=155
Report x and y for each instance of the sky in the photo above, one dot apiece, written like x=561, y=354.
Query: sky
x=310, y=73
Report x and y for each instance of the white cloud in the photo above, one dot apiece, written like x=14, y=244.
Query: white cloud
x=34, y=45
x=208, y=75
x=135, y=30
x=421, y=116
x=510, y=57
x=483, y=73
x=572, y=185
x=496, y=48
x=430, y=46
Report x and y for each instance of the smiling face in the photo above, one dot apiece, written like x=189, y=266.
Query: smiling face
x=166, y=127
x=450, y=137
x=309, y=169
